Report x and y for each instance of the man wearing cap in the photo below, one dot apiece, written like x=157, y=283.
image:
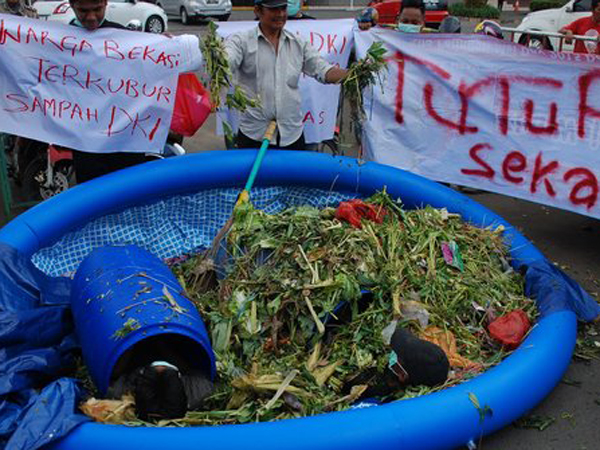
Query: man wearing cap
x=269, y=61
x=17, y=8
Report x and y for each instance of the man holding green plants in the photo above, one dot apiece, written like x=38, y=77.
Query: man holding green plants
x=268, y=61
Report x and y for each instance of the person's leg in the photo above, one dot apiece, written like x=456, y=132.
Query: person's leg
x=89, y=165
x=244, y=141
x=92, y=165
x=122, y=160
x=299, y=144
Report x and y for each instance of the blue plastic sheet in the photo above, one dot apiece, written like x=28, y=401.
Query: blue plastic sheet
x=555, y=291
x=36, y=346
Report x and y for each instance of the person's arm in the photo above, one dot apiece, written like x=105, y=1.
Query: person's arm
x=568, y=34
x=335, y=75
x=365, y=25
x=569, y=31
x=317, y=67
x=234, y=45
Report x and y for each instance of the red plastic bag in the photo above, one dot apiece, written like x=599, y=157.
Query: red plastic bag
x=192, y=105
x=510, y=329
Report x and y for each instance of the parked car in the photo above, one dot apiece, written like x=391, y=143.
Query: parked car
x=435, y=11
x=551, y=20
x=124, y=12
x=191, y=10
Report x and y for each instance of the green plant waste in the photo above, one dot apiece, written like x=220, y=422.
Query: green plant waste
x=282, y=348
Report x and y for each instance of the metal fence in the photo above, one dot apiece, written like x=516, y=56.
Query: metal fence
x=544, y=39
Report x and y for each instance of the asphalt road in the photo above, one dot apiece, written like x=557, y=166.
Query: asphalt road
x=570, y=240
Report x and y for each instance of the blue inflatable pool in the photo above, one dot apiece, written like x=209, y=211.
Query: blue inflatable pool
x=442, y=420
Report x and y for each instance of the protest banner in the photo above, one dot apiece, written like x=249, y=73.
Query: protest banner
x=333, y=40
x=488, y=114
x=102, y=91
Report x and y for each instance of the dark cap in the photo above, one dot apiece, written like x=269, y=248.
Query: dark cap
x=271, y=3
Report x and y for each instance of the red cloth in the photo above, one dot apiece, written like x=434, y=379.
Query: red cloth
x=353, y=211
x=584, y=27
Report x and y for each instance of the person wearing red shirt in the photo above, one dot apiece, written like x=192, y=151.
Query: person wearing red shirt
x=586, y=26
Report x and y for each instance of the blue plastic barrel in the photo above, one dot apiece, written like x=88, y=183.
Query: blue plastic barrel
x=129, y=309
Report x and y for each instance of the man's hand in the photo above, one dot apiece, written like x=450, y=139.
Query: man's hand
x=335, y=75
x=568, y=35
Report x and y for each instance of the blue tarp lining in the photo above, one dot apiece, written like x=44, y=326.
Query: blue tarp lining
x=174, y=226
x=555, y=291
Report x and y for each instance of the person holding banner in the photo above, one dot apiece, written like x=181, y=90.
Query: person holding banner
x=412, y=16
x=269, y=61
x=410, y=20
x=91, y=15
x=17, y=8
x=586, y=26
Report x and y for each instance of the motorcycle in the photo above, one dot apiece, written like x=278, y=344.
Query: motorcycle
x=49, y=169
x=20, y=152
x=49, y=173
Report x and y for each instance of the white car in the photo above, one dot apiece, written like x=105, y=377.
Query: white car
x=552, y=20
x=191, y=10
x=125, y=12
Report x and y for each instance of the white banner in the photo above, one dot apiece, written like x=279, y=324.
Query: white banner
x=489, y=114
x=102, y=91
x=333, y=39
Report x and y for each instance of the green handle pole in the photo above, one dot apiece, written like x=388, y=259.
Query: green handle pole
x=258, y=161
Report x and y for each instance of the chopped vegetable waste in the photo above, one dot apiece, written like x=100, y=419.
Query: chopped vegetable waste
x=302, y=314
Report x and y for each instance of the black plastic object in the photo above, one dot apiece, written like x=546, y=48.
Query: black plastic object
x=424, y=362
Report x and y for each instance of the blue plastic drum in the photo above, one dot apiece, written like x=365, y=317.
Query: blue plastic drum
x=126, y=303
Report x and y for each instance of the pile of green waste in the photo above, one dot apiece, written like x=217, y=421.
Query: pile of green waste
x=293, y=330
